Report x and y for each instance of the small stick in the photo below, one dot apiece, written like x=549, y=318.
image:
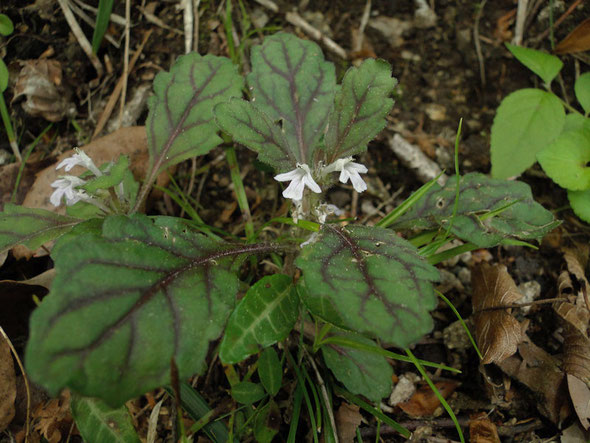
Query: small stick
x=558, y=22
x=268, y=4
x=125, y=61
x=482, y=68
x=82, y=40
x=196, y=4
x=189, y=20
x=296, y=20
x=89, y=21
x=118, y=87
x=520, y=21
x=117, y=19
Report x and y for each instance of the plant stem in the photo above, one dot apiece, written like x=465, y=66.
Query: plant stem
x=9, y=130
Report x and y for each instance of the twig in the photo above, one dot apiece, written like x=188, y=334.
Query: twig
x=296, y=20
x=412, y=157
x=125, y=61
x=189, y=21
x=268, y=4
x=118, y=87
x=117, y=19
x=358, y=44
x=82, y=40
x=78, y=10
x=196, y=4
x=482, y=68
x=521, y=14
x=569, y=10
x=25, y=379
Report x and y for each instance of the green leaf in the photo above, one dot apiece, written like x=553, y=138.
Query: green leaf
x=124, y=304
x=293, y=84
x=375, y=280
x=267, y=422
x=565, y=160
x=270, y=371
x=320, y=304
x=246, y=392
x=263, y=317
x=362, y=103
x=580, y=202
x=362, y=372
x=525, y=123
x=3, y=76
x=31, y=227
x=255, y=130
x=102, y=23
x=111, y=176
x=180, y=122
x=575, y=121
x=97, y=422
x=6, y=26
x=517, y=213
x=544, y=65
x=582, y=90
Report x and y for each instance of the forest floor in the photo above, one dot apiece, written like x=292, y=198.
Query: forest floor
x=450, y=62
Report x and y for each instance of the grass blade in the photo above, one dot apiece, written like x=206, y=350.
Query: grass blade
x=102, y=22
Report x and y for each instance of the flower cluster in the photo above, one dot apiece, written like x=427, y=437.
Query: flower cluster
x=301, y=177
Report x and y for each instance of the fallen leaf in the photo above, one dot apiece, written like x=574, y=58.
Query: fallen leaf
x=53, y=419
x=541, y=373
x=7, y=385
x=424, y=401
x=482, y=430
x=573, y=287
x=497, y=332
x=40, y=81
x=576, y=41
x=8, y=175
x=348, y=419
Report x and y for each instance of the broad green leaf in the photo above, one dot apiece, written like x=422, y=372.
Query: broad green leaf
x=362, y=372
x=566, y=158
x=263, y=317
x=270, y=371
x=246, y=392
x=180, y=121
x=255, y=130
x=546, y=66
x=31, y=227
x=267, y=422
x=575, y=122
x=6, y=26
x=525, y=123
x=3, y=76
x=293, y=84
x=111, y=176
x=580, y=202
x=124, y=304
x=321, y=305
x=97, y=422
x=362, y=103
x=374, y=279
x=518, y=215
x=582, y=90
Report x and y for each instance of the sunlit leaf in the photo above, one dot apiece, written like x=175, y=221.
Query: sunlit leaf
x=362, y=103
x=263, y=317
x=375, y=280
x=546, y=66
x=125, y=303
x=566, y=158
x=582, y=89
x=526, y=122
x=180, y=121
x=516, y=212
x=580, y=202
x=362, y=372
x=31, y=227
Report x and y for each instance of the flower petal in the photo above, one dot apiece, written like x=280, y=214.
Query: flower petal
x=291, y=175
x=295, y=189
x=358, y=183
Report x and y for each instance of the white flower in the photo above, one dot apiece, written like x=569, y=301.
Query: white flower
x=300, y=177
x=65, y=187
x=79, y=158
x=349, y=170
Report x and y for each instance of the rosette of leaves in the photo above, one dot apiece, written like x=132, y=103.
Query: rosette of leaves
x=295, y=100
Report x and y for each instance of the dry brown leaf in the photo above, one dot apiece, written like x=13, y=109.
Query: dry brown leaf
x=53, y=419
x=126, y=141
x=482, y=430
x=8, y=175
x=497, y=332
x=424, y=401
x=576, y=41
x=40, y=81
x=573, y=287
x=348, y=419
x=7, y=385
x=541, y=373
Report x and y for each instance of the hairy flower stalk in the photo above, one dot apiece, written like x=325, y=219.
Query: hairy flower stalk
x=349, y=170
x=300, y=177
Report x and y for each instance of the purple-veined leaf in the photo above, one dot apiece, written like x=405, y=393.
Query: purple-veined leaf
x=375, y=280
x=362, y=103
x=125, y=303
x=180, y=122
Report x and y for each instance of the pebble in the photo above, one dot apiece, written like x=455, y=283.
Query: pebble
x=404, y=389
x=436, y=112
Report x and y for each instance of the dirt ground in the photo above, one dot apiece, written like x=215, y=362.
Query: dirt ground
x=443, y=76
